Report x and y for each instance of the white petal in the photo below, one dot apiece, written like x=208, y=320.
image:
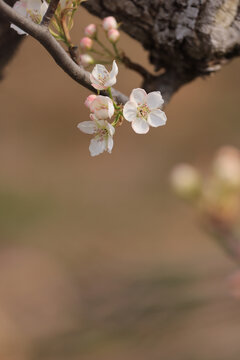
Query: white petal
x=18, y=30
x=97, y=147
x=43, y=8
x=157, y=118
x=140, y=126
x=110, y=144
x=87, y=127
x=114, y=71
x=139, y=96
x=99, y=69
x=130, y=111
x=110, y=82
x=110, y=129
x=110, y=108
x=154, y=100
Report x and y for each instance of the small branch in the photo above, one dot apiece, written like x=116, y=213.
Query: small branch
x=60, y=56
x=147, y=76
x=52, y=7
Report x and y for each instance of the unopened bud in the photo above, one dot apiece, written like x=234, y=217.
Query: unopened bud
x=113, y=35
x=86, y=43
x=86, y=60
x=109, y=23
x=90, y=30
x=89, y=100
x=227, y=166
x=186, y=181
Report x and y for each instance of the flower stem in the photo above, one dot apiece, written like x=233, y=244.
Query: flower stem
x=104, y=47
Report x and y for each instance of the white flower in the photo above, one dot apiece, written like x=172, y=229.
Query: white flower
x=30, y=9
x=103, y=139
x=143, y=110
x=102, y=107
x=101, y=79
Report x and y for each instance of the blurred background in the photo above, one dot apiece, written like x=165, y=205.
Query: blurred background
x=98, y=259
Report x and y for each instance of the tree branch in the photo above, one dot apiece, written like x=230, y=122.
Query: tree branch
x=52, y=7
x=42, y=34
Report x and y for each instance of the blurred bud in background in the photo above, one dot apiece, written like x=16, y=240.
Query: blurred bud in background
x=186, y=181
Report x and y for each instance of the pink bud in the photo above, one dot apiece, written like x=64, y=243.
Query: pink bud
x=86, y=60
x=109, y=23
x=89, y=100
x=90, y=30
x=113, y=35
x=86, y=43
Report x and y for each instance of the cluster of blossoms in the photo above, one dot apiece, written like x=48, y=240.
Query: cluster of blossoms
x=110, y=27
x=142, y=110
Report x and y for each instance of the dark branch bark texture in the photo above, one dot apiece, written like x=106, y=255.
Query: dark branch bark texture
x=186, y=38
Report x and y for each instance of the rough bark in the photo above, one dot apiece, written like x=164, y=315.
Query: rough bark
x=9, y=42
x=186, y=38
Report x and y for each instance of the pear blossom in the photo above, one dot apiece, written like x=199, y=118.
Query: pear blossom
x=86, y=60
x=101, y=79
x=103, y=131
x=86, y=43
x=109, y=22
x=90, y=30
x=143, y=110
x=89, y=100
x=30, y=9
x=102, y=107
x=113, y=35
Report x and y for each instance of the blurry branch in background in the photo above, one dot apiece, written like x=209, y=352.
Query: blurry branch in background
x=216, y=197
x=42, y=34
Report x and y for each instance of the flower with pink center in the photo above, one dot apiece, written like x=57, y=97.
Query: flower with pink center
x=86, y=43
x=143, y=110
x=103, y=135
x=30, y=9
x=90, y=30
x=109, y=23
x=113, y=35
x=89, y=100
x=86, y=60
x=102, y=107
x=101, y=79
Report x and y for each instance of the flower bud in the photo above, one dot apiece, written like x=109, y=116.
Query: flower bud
x=89, y=100
x=90, y=30
x=113, y=35
x=109, y=23
x=227, y=167
x=86, y=43
x=186, y=181
x=86, y=60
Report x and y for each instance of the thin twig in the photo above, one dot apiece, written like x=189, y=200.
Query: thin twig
x=52, y=7
x=60, y=56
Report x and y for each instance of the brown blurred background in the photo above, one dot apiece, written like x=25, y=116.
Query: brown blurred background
x=98, y=259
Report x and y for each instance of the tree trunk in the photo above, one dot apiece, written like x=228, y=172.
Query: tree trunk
x=9, y=42
x=185, y=38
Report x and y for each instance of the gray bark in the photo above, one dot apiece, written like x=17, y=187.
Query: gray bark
x=185, y=38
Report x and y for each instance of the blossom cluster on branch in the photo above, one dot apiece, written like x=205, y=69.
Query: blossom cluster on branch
x=142, y=110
